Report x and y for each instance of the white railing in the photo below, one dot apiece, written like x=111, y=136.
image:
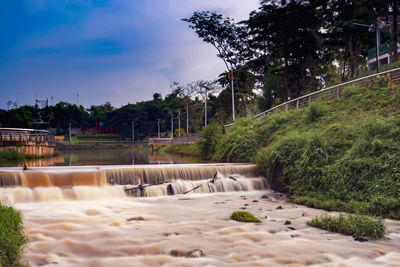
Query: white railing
x=326, y=93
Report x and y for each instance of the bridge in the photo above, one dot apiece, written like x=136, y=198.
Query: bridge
x=27, y=141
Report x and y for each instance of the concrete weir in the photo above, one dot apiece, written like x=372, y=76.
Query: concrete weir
x=27, y=141
x=119, y=174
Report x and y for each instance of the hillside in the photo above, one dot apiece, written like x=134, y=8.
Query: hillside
x=342, y=154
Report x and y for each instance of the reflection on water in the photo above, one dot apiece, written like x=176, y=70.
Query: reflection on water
x=106, y=157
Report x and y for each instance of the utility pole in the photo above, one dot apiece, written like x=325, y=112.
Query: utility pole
x=378, y=40
x=158, y=126
x=69, y=130
x=179, y=122
x=374, y=27
x=133, y=131
x=187, y=118
x=233, y=94
x=205, y=108
x=172, y=126
x=77, y=99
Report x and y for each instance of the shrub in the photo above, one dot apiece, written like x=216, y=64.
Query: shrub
x=12, y=237
x=358, y=225
x=313, y=113
x=244, y=216
x=211, y=135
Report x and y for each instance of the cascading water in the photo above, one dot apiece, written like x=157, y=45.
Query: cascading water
x=87, y=183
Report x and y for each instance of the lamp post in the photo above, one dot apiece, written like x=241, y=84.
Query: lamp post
x=375, y=27
x=172, y=126
x=187, y=119
x=158, y=126
x=133, y=131
x=69, y=131
x=230, y=76
x=179, y=122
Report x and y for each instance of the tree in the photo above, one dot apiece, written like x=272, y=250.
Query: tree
x=227, y=37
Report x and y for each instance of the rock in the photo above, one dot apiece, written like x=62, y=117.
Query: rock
x=359, y=238
x=243, y=208
x=260, y=209
x=255, y=200
x=279, y=208
x=291, y=228
x=287, y=222
x=195, y=253
x=293, y=236
x=304, y=214
x=246, y=205
x=137, y=218
x=266, y=217
x=265, y=197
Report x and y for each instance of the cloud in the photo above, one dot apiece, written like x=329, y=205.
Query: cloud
x=117, y=51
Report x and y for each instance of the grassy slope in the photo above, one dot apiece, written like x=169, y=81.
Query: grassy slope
x=12, y=237
x=341, y=154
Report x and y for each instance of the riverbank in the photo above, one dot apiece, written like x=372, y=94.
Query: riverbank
x=338, y=154
x=162, y=230
x=13, y=158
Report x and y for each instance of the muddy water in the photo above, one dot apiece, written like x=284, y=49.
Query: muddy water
x=114, y=230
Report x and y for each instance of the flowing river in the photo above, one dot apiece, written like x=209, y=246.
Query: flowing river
x=173, y=215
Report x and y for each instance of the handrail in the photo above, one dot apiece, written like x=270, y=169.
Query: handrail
x=310, y=95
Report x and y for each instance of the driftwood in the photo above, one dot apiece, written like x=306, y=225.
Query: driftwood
x=212, y=181
x=141, y=186
x=192, y=189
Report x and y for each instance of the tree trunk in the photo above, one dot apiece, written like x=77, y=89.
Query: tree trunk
x=354, y=52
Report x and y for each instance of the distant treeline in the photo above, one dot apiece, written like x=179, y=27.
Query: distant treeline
x=145, y=115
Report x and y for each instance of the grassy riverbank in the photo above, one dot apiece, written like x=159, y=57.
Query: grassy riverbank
x=12, y=237
x=341, y=154
x=12, y=156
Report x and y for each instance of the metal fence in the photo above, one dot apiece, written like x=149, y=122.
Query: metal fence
x=327, y=93
x=25, y=135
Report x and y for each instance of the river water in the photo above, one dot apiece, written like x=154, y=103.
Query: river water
x=105, y=157
x=98, y=215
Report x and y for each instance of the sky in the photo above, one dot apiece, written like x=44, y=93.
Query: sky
x=121, y=51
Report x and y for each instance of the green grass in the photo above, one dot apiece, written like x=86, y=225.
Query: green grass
x=244, y=216
x=97, y=137
x=358, y=225
x=191, y=150
x=12, y=238
x=341, y=154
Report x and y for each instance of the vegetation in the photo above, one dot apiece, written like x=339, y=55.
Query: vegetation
x=358, y=225
x=338, y=154
x=244, y=216
x=12, y=236
x=13, y=156
x=191, y=150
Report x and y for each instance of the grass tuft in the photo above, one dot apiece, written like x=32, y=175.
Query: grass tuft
x=12, y=237
x=358, y=225
x=244, y=216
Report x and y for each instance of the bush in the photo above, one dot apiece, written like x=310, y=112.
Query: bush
x=211, y=135
x=244, y=216
x=313, y=113
x=12, y=237
x=358, y=225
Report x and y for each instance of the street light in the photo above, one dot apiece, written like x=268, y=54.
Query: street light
x=377, y=36
x=230, y=76
x=133, y=131
x=172, y=126
x=158, y=126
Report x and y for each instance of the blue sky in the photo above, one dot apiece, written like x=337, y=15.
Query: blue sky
x=120, y=51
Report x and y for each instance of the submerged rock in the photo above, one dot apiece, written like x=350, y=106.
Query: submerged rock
x=136, y=218
x=195, y=253
x=279, y=208
x=287, y=222
x=359, y=238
